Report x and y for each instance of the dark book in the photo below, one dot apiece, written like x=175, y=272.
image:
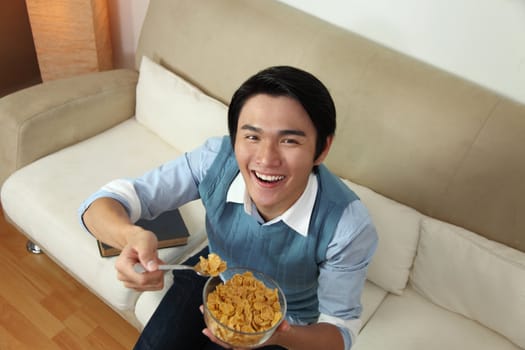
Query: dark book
x=169, y=227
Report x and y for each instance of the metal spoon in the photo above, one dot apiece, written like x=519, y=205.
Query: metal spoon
x=166, y=267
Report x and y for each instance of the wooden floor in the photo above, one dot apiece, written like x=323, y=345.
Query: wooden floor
x=42, y=307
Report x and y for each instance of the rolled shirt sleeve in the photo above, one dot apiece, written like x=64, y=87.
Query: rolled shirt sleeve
x=343, y=274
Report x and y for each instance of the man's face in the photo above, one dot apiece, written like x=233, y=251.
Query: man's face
x=275, y=149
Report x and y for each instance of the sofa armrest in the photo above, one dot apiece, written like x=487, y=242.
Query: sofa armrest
x=47, y=117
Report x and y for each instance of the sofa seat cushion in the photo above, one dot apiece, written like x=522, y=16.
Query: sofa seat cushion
x=471, y=275
x=43, y=198
x=371, y=299
x=411, y=322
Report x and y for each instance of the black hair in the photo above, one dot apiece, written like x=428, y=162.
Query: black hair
x=296, y=84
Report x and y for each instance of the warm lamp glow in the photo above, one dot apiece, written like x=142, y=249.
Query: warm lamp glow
x=71, y=36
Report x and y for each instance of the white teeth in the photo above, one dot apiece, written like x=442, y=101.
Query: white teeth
x=269, y=178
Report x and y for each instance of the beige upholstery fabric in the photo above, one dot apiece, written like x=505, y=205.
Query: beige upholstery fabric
x=164, y=99
x=61, y=181
x=411, y=322
x=371, y=299
x=398, y=230
x=488, y=277
x=47, y=117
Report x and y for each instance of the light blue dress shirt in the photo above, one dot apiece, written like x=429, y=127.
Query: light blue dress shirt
x=175, y=183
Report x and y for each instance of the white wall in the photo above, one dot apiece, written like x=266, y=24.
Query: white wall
x=480, y=40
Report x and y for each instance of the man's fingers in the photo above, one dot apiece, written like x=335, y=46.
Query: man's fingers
x=147, y=281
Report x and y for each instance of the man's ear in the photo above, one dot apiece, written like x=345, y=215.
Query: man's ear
x=325, y=151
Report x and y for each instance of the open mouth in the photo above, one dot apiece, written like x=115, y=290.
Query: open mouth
x=268, y=178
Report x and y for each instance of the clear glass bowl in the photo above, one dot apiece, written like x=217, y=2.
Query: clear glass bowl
x=233, y=337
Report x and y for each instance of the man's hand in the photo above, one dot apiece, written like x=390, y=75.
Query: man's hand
x=141, y=248
x=283, y=327
x=107, y=219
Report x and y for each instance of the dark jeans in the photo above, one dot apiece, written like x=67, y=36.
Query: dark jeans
x=178, y=323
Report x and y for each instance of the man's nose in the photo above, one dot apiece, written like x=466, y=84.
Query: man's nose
x=268, y=154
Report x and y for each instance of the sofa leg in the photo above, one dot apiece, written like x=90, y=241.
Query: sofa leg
x=33, y=248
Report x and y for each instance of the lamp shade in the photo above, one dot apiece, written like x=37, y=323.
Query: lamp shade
x=71, y=37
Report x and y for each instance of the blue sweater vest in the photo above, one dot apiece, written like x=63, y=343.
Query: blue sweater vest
x=277, y=250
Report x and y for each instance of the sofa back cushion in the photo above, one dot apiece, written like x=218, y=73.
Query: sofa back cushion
x=174, y=109
x=471, y=275
x=398, y=229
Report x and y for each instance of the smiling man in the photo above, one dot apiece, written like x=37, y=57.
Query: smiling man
x=275, y=149
x=271, y=205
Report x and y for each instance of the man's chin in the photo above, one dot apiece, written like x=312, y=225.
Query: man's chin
x=271, y=208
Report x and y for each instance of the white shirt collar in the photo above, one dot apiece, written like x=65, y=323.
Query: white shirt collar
x=297, y=216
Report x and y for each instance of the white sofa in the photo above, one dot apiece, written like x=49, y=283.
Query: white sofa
x=437, y=160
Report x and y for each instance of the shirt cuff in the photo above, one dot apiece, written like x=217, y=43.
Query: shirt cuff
x=103, y=194
x=125, y=190
x=348, y=328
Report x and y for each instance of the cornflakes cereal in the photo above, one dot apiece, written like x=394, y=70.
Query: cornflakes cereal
x=212, y=266
x=243, y=303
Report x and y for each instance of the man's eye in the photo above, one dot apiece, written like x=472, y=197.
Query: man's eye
x=290, y=141
x=251, y=137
